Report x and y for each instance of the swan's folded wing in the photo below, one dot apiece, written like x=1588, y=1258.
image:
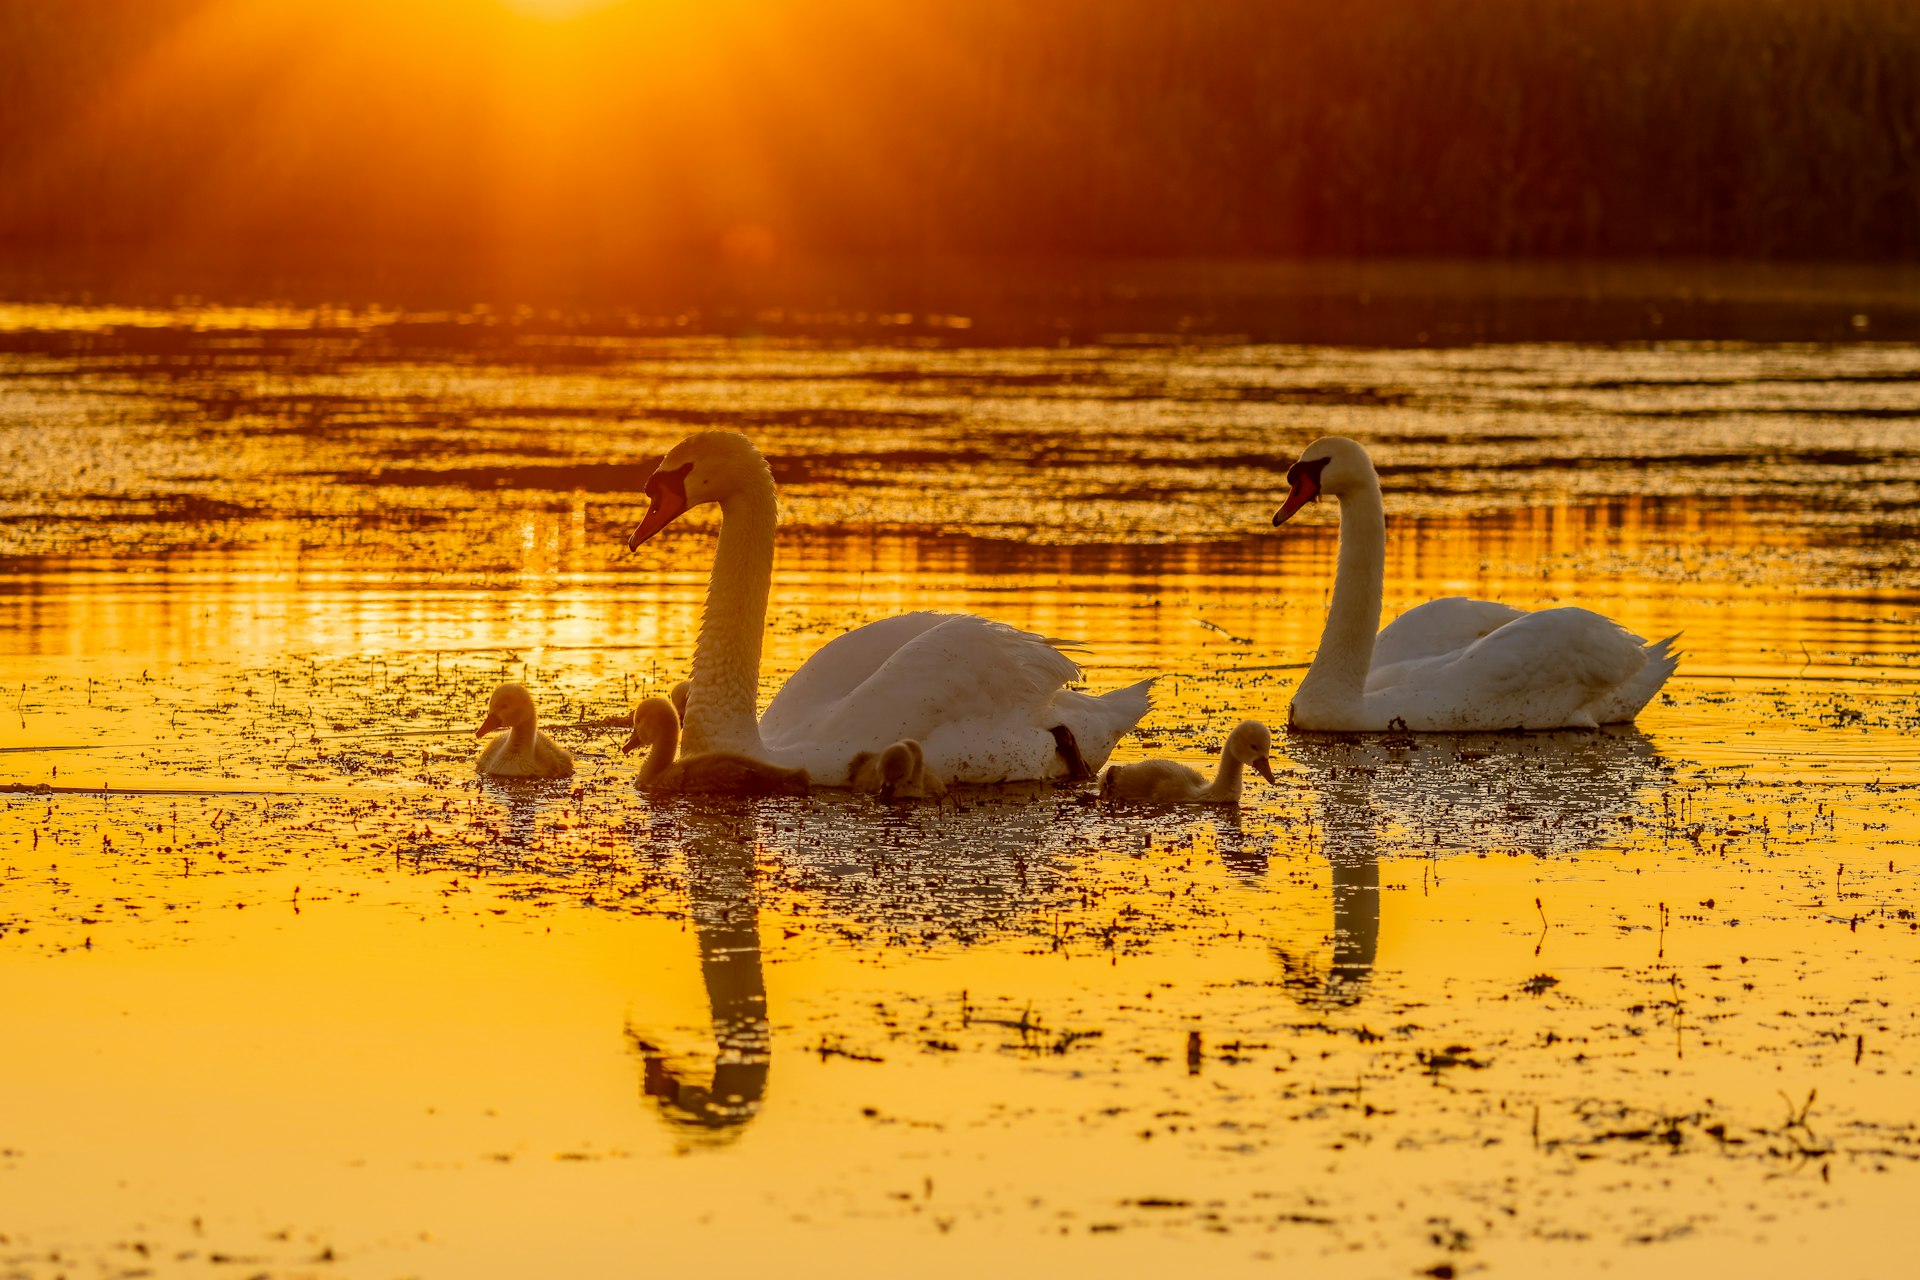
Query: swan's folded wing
x=965, y=668
x=1548, y=665
x=839, y=667
x=1440, y=627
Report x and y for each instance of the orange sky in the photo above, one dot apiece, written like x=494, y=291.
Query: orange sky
x=572, y=141
x=543, y=130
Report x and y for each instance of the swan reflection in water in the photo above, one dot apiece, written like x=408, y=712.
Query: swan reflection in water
x=981, y=864
x=719, y=845
x=1000, y=861
x=1540, y=793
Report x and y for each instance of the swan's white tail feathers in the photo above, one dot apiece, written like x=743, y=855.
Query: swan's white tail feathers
x=1135, y=700
x=1099, y=721
x=1627, y=701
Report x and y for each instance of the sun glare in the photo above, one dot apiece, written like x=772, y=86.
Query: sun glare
x=512, y=140
x=555, y=10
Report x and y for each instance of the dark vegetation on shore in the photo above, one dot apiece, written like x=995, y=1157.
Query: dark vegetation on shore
x=454, y=135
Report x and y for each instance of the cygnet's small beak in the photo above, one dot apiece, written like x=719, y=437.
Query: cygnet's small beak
x=667, y=501
x=1304, y=477
x=488, y=725
x=1263, y=767
x=633, y=740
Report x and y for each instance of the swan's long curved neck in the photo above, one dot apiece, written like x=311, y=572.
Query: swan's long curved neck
x=1338, y=675
x=721, y=702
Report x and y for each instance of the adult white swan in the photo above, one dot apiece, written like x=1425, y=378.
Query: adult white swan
x=1453, y=664
x=986, y=702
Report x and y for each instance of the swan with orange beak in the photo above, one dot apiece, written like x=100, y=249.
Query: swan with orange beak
x=1454, y=664
x=986, y=702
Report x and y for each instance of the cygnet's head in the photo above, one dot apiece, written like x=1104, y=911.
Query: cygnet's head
x=1252, y=743
x=1333, y=465
x=678, y=697
x=709, y=467
x=510, y=707
x=887, y=770
x=898, y=766
x=654, y=721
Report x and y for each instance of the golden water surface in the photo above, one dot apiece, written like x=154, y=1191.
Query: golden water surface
x=286, y=991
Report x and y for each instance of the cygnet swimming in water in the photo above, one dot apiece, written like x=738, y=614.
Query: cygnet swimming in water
x=523, y=751
x=1167, y=782
x=896, y=772
x=656, y=726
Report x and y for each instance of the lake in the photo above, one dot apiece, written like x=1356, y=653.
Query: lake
x=287, y=990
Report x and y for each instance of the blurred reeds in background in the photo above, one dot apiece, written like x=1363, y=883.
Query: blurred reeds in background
x=638, y=138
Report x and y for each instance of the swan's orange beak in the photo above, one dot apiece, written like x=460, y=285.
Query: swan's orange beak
x=667, y=501
x=1304, y=477
x=488, y=725
x=1263, y=767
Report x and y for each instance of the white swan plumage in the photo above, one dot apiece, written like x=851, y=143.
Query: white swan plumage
x=1455, y=664
x=986, y=702
x=523, y=751
x=1170, y=782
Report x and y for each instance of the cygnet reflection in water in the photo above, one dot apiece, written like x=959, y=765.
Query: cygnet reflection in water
x=523, y=751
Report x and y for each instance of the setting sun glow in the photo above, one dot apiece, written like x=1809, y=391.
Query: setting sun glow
x=556, y=9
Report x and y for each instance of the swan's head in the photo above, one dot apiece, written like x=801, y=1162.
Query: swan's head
x=510, y=707
x=709, y=467
x=654, y=721
x=1251, y=743
x=1333, y=465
